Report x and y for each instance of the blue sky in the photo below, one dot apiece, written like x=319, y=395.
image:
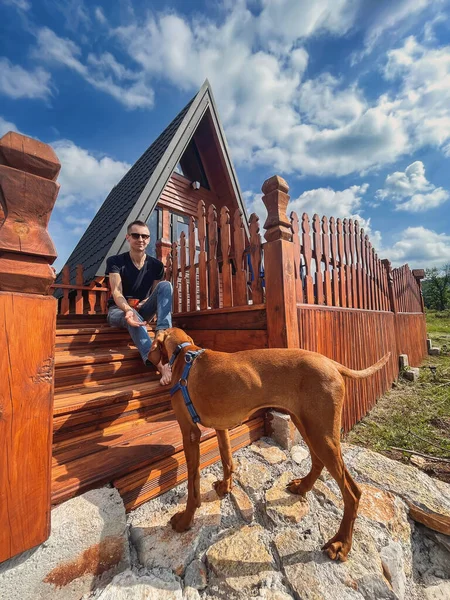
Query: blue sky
x=348, y=100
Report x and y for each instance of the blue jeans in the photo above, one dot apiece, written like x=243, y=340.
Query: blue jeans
x=159, y=303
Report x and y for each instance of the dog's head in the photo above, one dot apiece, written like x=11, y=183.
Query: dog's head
x=164, y=344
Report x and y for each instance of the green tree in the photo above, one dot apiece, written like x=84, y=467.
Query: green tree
x=436, y=287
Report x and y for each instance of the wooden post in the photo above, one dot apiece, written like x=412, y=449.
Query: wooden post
x=28, y=190
x=418, y=275
x=392, y=299
x=281, y=305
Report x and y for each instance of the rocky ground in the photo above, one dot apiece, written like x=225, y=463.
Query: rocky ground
x=263, y=542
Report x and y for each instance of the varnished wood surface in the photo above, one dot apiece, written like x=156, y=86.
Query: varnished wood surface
x=27, y=331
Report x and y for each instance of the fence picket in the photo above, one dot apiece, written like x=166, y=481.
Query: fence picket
x=326, y=259
x=335, y=272
x=176, y=292
x=317, y=239
x=341, y=268
x=213, y=271
x=79, y=280
x=295, y=226
x=225, y=240
x=192, y=267
x=307, y=255
x=255, y=254
x=202, y=279
x=240, y=298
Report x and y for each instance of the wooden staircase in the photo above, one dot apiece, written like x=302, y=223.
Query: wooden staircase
x=113, y=421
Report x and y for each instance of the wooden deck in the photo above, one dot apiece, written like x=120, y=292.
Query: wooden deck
x=113, y=421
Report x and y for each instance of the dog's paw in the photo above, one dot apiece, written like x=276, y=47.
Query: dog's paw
x=222, y=487
x=296, y=487
x=336, y=550
x=181, y=521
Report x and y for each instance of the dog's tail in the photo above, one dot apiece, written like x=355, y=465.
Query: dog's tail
x=365, y=372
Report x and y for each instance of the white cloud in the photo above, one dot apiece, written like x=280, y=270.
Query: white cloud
x=100, y=15
x=85, y=179
x=19, y=4
x=6, y=126
x=16, y=82
x=420, y=248
x=103, y=72
x=411, y=191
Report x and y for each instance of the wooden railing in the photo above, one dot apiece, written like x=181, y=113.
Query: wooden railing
x=77, y=298
x=407, y=291
x=336, y=265
x=216, y=266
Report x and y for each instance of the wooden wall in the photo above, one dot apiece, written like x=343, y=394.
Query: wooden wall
x=411, y=334
x=227, y=329
x=179, y=196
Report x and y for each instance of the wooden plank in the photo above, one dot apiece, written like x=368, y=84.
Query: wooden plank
x=202, y=258
x=240, y=295
x=251, y=319
x=225, y=243
x=255, y=255
x=213, y=269
x=26, y=395
x=65, y=299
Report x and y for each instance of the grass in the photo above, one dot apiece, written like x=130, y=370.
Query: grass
x=415, y=416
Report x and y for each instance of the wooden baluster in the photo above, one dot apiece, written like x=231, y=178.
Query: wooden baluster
x=225, y=239
x=368, y=273
x=202, y=276
x=340, y=243
x=92, y=300
x=213, y=270
x=335, y=272
x=326, y=259
x=317, y=239
x=359, y=294
x=386, y=303
x=307, y=255
x=348, y=278
x=192, y=268
x=295, y=225
x=169, y=271
x=176, y=292
x=365, y=303
x=65, y=298
x=372, y=277
x=351, y=232
x=183, y=272
x=379, y=282
x=375, y=279
x=79, y=297
x=255, y=255
x=240, y=298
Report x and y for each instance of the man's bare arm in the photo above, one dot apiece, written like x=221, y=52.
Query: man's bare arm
x=142, y=302
x=115, y=283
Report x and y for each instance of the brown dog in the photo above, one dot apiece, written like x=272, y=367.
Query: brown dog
x=225, y=388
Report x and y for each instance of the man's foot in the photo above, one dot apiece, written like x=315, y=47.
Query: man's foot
x=166, y=373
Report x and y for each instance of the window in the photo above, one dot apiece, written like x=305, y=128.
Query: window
x=191, y=165
x=154, y=226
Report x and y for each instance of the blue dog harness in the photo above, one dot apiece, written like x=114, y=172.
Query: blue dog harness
x=189, y=357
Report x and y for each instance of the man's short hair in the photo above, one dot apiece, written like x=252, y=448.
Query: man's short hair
x=140, y=223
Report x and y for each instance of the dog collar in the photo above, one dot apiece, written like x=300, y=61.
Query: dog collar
x=189, y=357
x=177, y=351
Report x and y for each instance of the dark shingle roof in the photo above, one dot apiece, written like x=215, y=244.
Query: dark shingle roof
x=110, y=218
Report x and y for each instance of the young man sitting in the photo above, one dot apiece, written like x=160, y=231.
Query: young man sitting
x=138, y=294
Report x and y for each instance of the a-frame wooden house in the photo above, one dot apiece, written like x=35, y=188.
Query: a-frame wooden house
x=87, y=412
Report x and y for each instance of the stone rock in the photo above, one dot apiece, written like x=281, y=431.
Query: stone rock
x=428, y=499
x=412, y=374
x=241, y=558
x=271, y=453
x=418, y=461
x=129, y=586
x=403, y=361
x=282, y=505
x=434, y=351
x=252, y=476
x=299, y=454
x=438, y=592
x=191, y=594
x=266, y=594
x=442, y=540
x=88, y=544
x=429, y=343
x=386, y=509
x=282, y=429
x=243, y=504
x=158, y=545
x=196, y=576
x=393, y=567
x=322, y=490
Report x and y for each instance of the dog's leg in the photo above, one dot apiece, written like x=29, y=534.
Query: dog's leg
x=339, y=545
x=191, y=443
x=305, y=484
x=223, y=487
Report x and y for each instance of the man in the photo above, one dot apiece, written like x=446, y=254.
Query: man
x=138, y=294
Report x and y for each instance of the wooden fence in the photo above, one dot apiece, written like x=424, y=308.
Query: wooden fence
x=217, y=266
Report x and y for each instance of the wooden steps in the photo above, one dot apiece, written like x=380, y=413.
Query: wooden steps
x=113, y=420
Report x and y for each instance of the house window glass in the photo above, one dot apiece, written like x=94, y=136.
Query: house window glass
x=153, y=224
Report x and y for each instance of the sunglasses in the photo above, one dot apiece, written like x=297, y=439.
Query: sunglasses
x=136, y=236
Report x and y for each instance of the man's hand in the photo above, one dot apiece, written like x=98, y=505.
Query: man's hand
x=132, y=320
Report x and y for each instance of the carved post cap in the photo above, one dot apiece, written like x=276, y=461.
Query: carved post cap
x=418, y=273
x=28, y=190
x=277, y=225
x=26, y=154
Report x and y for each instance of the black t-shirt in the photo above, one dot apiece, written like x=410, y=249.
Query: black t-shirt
x=136, y=283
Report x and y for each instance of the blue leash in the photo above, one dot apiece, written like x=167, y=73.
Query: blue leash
x=189, y=357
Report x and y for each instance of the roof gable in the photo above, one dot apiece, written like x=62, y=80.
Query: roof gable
x=137, y=193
